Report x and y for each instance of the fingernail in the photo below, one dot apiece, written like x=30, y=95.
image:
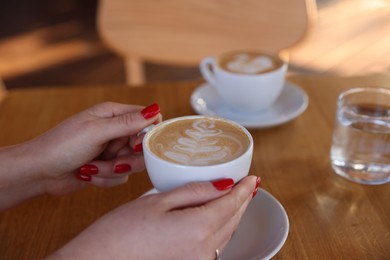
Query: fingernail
x=258, y=181
x=88, y=169
x=122, y=168
x=150, y=111
x=84, y=177
x=223, y=184
x=137, y=148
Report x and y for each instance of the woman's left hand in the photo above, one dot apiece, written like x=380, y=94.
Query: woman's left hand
x=189, y=222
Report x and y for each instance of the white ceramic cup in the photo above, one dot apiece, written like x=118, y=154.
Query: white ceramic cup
x=245, y=92
x=166, y=175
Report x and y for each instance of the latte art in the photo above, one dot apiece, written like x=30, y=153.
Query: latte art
x=249, y=63
x=201, y=145
x=199, y=142
x=244, y=63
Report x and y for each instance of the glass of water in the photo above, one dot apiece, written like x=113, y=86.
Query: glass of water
x=361, y=140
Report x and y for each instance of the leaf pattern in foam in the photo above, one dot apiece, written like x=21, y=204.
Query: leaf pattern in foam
x=199, y=146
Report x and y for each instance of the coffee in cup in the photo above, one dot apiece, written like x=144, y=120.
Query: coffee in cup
x=249, y=63
x=198, y=142
x=247, y=81
x=196, y=148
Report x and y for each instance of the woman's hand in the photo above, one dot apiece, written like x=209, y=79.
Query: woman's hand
x=99, y=145
x=190, y=222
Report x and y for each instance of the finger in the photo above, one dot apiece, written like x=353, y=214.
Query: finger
x=217, y=207
x=122, y=147
x=229, y=205
x=114, y=168
x=136, y=143
x=113, y=148
x=136, y=140
x=136, y=161
x=223, y=214
x=224, y=234
x=126, y=124
x=196, y=193
x=108, y=182
x=159, y=119
x=112, y=109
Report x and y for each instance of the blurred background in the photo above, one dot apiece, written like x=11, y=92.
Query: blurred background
x=47, y=43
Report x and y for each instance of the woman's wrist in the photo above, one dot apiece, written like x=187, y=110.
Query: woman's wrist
x=19, y=176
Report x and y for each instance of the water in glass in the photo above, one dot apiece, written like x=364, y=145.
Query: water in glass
x=361, y=143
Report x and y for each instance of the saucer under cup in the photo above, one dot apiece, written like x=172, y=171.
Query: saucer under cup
x=291, y=103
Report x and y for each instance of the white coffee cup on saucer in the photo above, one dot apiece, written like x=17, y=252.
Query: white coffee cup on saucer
x=196, y=148
x=247, y=81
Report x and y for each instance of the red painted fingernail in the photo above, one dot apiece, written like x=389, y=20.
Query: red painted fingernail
x=258, y=181
x=223, y=184
x=150, y=111
x=122, y=168
x=88, y=169
x=137, y=148
x=84, y=177
x=254, y=192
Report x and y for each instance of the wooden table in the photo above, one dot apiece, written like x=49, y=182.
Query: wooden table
x=330, y=218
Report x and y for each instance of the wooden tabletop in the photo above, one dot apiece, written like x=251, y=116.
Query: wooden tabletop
x=330, y=218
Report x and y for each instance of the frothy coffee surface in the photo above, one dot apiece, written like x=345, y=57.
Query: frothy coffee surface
x=198, y=142
x=249, y=63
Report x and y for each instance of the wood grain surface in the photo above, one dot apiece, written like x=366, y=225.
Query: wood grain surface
x=330, y=218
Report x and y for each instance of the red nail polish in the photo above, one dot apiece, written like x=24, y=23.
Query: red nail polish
x=88, y=169
x=137, y=148
x=223, y=184
x=84, y=177
x=150, y=111
x=255, y=192
x=258, y=181
x=122, y=168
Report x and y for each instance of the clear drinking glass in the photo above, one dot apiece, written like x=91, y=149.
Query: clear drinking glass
x=361, y=141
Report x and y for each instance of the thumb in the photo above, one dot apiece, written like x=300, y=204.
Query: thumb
x=197, y=193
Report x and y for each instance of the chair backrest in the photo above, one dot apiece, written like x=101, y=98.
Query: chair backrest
x=182, y=32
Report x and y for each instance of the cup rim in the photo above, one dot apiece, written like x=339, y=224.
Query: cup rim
x=168, y=121
x=355, y=90
x=267, y=53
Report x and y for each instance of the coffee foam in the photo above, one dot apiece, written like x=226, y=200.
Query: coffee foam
x=247, y=64
x=201, y=143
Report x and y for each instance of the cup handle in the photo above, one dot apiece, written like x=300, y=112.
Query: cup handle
x=145, y=130
x=206, y=66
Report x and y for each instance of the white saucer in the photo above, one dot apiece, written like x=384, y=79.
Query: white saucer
x=262, y=231
x=292, y=102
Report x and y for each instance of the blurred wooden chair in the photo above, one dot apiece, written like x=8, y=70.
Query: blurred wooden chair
x=182, y=32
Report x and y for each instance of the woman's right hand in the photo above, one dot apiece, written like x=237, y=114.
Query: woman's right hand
x=190, y=222
x=100, y=145
x=97, y=146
